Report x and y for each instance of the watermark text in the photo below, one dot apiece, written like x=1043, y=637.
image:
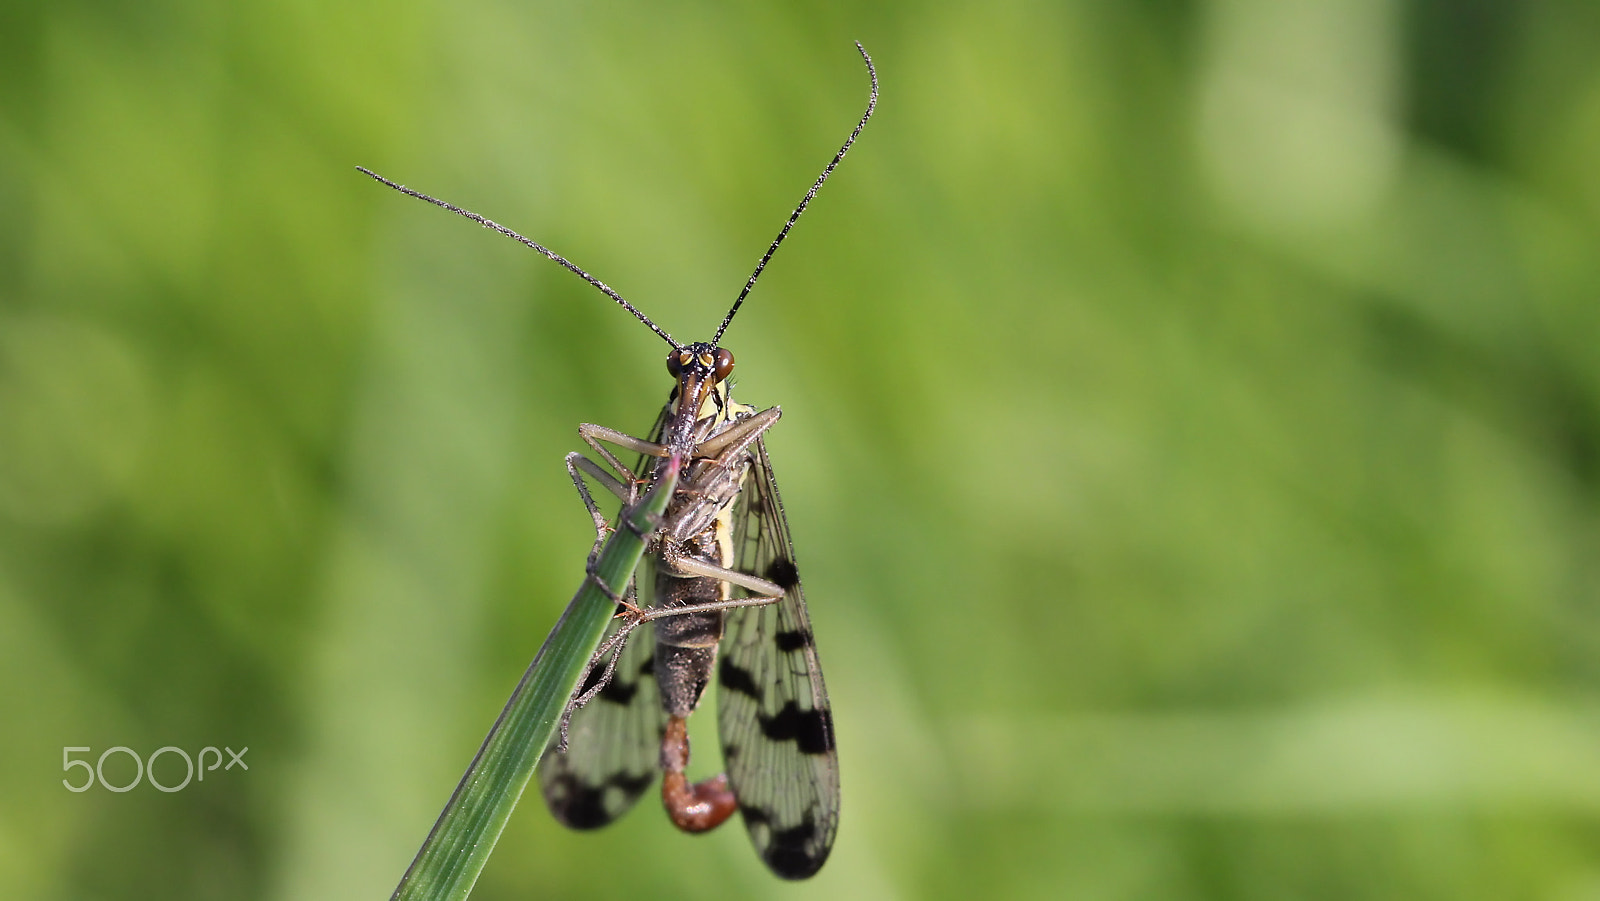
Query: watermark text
x=195, y=768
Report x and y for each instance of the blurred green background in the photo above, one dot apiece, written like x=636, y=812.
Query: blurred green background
x=1192, y=431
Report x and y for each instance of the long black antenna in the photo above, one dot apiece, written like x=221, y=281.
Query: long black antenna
x=872, y=102
x=490, y=223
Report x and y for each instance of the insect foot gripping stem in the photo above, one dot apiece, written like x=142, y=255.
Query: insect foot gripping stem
x=694, y=808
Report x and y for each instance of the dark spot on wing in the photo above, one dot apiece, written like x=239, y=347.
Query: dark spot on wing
x=810, y=730
x=631, y=785
x=783, y=572
x=582, y=806
x=792, y=641
x=733, y=678
x=620, y=692
x=792, y=853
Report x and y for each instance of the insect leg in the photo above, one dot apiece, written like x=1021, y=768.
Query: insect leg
x=581, y=695
x=593, y=434
x=577, y=461
x=738, y=436
x=633, y=617
x=654, y=613
x=691, y=566
x=622, y=489
x=585, y=693
x=626, y=489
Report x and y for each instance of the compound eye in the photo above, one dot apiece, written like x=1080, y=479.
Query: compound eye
x=723, y=365
x=675, y=360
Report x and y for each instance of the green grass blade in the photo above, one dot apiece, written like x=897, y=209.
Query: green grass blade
x=448, y=864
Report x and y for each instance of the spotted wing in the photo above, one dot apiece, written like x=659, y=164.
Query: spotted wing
x=614, y=741
x=774, y=719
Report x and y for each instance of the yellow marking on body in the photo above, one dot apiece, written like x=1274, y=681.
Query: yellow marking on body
x=727, y=406
x=723, y=524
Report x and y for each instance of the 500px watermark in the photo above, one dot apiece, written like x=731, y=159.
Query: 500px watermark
x=145, y=769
